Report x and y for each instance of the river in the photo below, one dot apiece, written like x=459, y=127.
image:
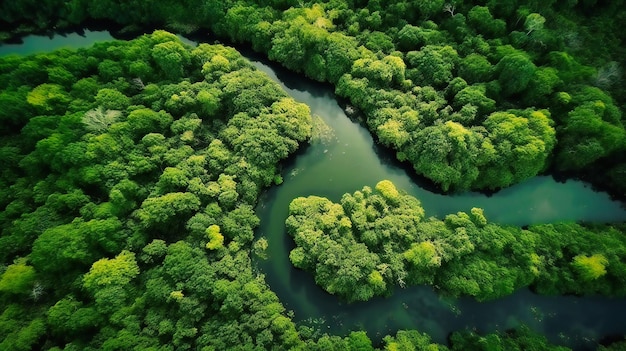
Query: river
x=347, y=159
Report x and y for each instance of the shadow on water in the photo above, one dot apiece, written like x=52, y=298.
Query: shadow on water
x=353, y=160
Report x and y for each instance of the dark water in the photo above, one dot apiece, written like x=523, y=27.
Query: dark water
x=348, y=161
x=345, y=160
x=35, y=44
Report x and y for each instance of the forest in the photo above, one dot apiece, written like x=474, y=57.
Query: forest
x=378, y=238
x=131, y=169
x=501, y=91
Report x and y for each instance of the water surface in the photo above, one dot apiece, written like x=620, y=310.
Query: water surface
x=349, y=160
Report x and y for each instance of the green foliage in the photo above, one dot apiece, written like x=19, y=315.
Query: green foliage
x=534, y=22
x=523, y=146
x=591, y=131
x=520, y=339
x=216, y=239
x=25, y=336
x=114, y=190
x=451, y=154
x=489, y=101
x=375, y=239
x=475, y=68
x=118, y=271
x=514, y=73
x=482, y=20
x=171, y=57
x=61, y=249
x=48, y=97
x=112, y=99
x=590, y=267
x=68, y=318
x=410, y=340
x=143, y=121
x=340, y=242
x=18, y=278
x=412, y=37
x=474, y=95
x=99, y=120
x=432, y=65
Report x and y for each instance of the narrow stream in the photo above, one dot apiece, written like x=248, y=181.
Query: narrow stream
x=346, y=160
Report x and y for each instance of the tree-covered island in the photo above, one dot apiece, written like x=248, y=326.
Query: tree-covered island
x=377, y=239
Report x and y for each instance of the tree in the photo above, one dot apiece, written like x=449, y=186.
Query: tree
x=482, y=20
x=209, y=101
x=216, y=239
x=432, y=65
x=173, y=179
x=412, y=37
x=423, y=260
x=429, y=8
x=450, y=154
x=475, y=95
x=534, y=22
x=118, y=271
x=358, y=341
x=99, y=120
x=410, y=340
x=590, y=267
x=393, y=133
x=172, y=58
x=379, y=42
x=591, y=131
x=110, y=70
x=339, y=55
x=541, y=86
x=108, y=282
x=143, y=121
x=514, y=73
x=112, y=99
x=475, y=68
x=25, y=337
x=48, y=98
x=166, y=209
x=68, y=318
x=18, y=278
x=61, y=250
x=522, y=145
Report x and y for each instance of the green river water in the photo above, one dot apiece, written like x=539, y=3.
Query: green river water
x=345, y=159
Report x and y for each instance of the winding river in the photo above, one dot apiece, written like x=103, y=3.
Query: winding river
x=344, y=160
x=350, y=159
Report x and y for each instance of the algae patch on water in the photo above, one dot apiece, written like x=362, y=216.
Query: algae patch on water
x=322, y=133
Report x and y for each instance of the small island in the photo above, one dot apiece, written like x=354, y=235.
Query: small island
x=377, y=239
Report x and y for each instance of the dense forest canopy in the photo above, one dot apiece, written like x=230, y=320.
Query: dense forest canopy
x=475, y=95
x=128, y=196
x=376, y=239
x=131, y=168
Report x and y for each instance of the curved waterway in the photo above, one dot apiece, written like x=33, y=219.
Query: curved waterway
x=345, y=160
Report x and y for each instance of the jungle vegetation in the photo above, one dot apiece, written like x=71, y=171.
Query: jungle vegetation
x=377, y=239
x=475, y=95
x=130, y=169
x=130, y=174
